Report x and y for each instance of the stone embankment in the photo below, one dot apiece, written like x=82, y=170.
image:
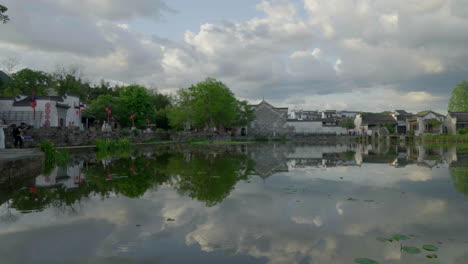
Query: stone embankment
x=20, y=162
x=75, y=137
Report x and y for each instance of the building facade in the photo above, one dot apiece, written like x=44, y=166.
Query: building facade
x=454, y=121
x=425, y=122
x=54, y=111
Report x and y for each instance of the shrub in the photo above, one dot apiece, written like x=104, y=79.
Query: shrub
x=136, y=132
x=126, y=132
x=462, y=131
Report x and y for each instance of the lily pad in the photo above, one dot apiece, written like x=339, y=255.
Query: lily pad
x=399, y=237
x=430, y=248
x=170, y=219
x=432, y=256
x=411, y=250
x=352, y=199
x=365, y=261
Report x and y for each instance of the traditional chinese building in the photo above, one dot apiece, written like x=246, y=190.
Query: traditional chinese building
x=54, y=111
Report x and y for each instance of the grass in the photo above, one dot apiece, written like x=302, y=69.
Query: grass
x=109, y=145
x=445, y=138
x=158, y=141
x=113, y=148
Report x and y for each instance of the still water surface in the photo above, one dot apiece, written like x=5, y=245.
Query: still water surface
x=267, y=203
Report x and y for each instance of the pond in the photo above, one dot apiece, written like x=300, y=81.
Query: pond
x=250, y=203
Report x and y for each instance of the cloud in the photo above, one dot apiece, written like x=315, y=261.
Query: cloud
x=290, y=51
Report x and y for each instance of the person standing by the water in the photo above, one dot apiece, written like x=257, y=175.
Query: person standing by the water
x=18, y=134
x=2, y=134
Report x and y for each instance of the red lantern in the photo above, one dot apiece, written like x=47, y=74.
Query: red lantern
x=33, y=104
x=33, y=190
x=77, y=112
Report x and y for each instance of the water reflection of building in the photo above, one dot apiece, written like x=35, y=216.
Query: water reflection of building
x=69, y=177
x=285, y=157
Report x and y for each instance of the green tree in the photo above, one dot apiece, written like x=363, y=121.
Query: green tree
x=27, y=81
x=97, y=107
x=182, y=113
x=3, y=18
x=245, y=114
x=162, y=104
x=103, y=88
x=69, y=81
x=209, y=104
x=134, y=99
x=459, y=100
x=348, y=123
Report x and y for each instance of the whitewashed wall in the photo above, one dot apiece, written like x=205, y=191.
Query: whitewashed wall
x=314, y=127
x=71, y=116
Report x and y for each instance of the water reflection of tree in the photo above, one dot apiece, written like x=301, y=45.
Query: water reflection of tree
x=130, y=177
x=206, y=177
x=209, y=178
x=460, y=178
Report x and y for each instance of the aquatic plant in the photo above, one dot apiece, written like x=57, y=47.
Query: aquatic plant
x=110, y=145
x=53, y=157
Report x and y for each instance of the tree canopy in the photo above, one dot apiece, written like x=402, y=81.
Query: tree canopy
x=3, y=18
x=135, y=99
x=459, y=100
x=97, y=107
x=209, y=104
x=27, y=81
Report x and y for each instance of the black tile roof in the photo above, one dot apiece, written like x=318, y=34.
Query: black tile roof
x=27, y=101
x=423, y=113
x=377, y=119
x=462, y=117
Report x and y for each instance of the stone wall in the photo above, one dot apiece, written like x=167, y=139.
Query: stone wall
x=74, y=136
x=268, y=123
x=187, y=136
x=299, y=127
x=24, y=164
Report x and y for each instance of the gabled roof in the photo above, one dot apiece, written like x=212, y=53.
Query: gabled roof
x=280, y=110
x=27, y=101
x=402, y=112
x=462, y=117
x=424, y=113
x=377, y=119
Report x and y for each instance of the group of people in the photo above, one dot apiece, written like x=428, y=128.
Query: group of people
x=18, y=134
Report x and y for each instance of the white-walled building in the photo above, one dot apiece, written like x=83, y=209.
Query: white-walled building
x=454, y=121
x=54, y=111
x=426, y=122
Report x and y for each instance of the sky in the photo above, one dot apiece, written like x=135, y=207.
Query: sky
x=366, y=55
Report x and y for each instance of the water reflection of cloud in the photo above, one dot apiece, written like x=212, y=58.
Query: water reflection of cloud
x=315, y=224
